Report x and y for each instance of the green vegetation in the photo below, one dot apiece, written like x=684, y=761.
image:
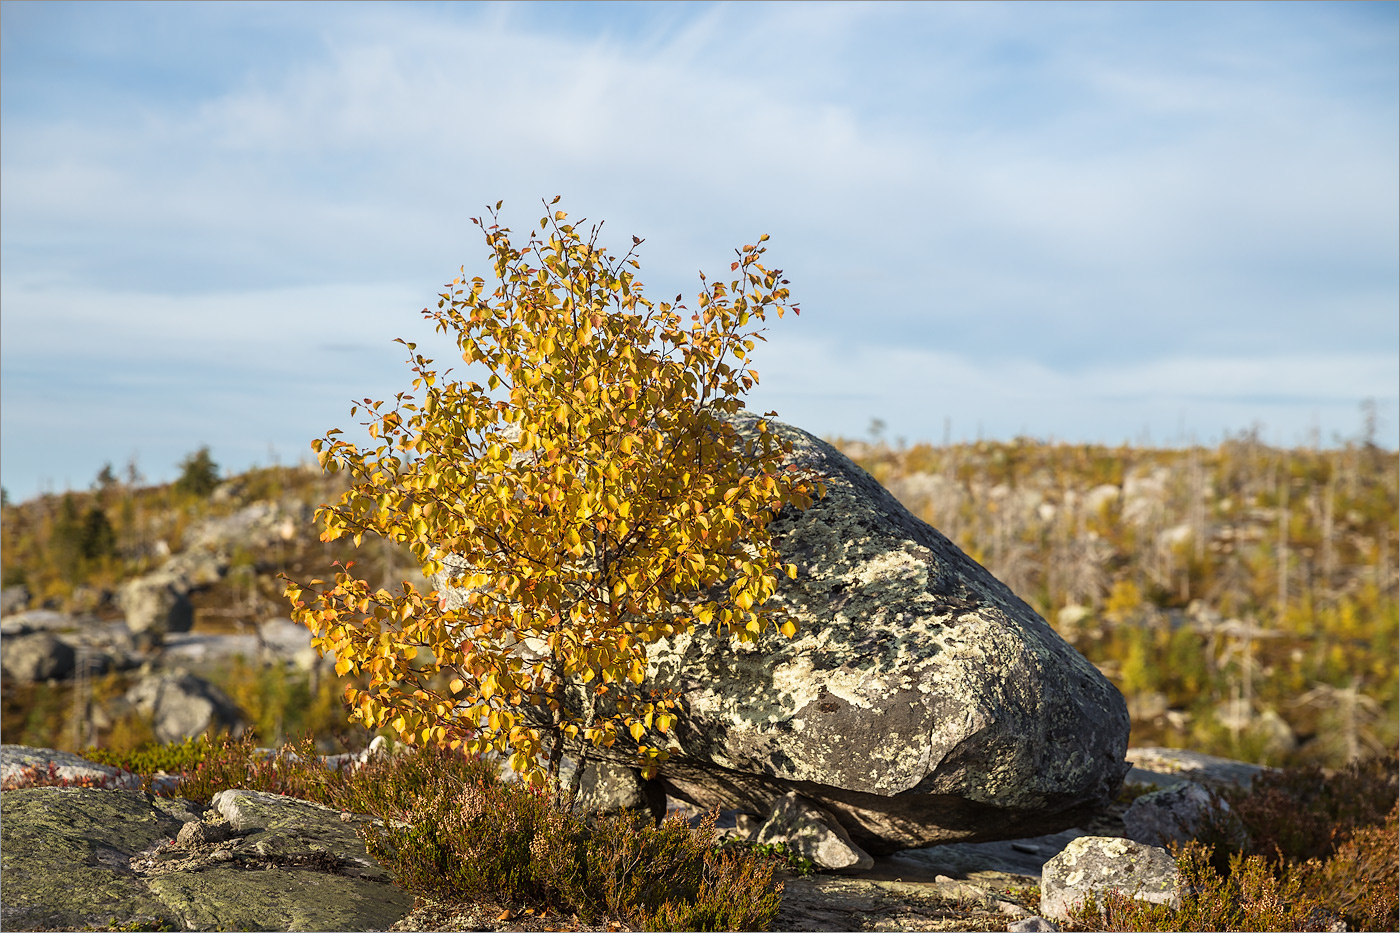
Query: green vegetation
x=199, y=474
x=1243, y=598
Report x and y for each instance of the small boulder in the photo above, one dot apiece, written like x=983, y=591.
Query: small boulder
x=1097, y=865
x=36, y=656
x=14, y=599
x=156, y=605
x=181, y=705
x=812, y=833
x=1032, y=925
x=1170, y=815
x=199, y=833
x=612, y=788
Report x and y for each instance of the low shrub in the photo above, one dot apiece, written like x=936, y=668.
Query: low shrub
x=449, y=829
x=171, y=757
x=1305, y=813
x=490, y=840
x=1360, y=881
x=1300, y=850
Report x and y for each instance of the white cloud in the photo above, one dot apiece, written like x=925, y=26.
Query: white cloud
x=1126, y=200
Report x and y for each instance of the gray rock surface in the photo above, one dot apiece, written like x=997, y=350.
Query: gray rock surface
x=1023, y=857
x=156, y=604
x=1097, y=865
x=65, y=858
x=77, y=857
x=15, y=760
x=1032, y=925
x=36, y=656
x=1173, y=814
x=181, y=705
x=1167, y=767
x=14, y=599
x=920, y=702
x=812, y=833
x=608, y=787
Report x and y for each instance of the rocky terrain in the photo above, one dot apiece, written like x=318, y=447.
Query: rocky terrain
x=76, y=856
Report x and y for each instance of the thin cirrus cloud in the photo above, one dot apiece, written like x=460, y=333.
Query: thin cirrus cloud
x=1088, y=222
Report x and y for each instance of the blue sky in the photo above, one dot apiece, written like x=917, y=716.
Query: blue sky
x=1087, y=222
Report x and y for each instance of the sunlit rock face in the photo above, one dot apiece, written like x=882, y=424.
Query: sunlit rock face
x=920, y=702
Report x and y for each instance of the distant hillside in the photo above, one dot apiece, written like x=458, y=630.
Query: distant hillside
x=1243, y=597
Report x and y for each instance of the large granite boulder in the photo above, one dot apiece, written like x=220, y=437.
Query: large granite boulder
x=920, y=702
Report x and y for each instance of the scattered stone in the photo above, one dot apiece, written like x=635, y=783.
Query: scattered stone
x=1032, y=925
x=1097, y=865
x=16, y=760
x=920, y=702
x=811, y=832
x=198, y=833
x=1170, y=815
x=181, y=705
x=14, y=599
x=156, y=605
x=35, y=657
x=1167, y=767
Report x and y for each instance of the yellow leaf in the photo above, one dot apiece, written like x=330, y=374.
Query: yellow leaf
x=638, y=730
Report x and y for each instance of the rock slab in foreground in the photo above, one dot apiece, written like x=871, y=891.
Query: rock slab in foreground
x=80, y=857
x=920, y=702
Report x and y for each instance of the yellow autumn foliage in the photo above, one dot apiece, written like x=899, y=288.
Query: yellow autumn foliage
x=593, y=486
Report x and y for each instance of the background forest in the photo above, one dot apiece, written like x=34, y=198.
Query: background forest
x=1243, y=597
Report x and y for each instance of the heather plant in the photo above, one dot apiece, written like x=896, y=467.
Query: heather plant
x=1248, y=896
x=1299, y=850
x=447, y=827
x=1297, y=814
x=492, y=841
x=1359, y=881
